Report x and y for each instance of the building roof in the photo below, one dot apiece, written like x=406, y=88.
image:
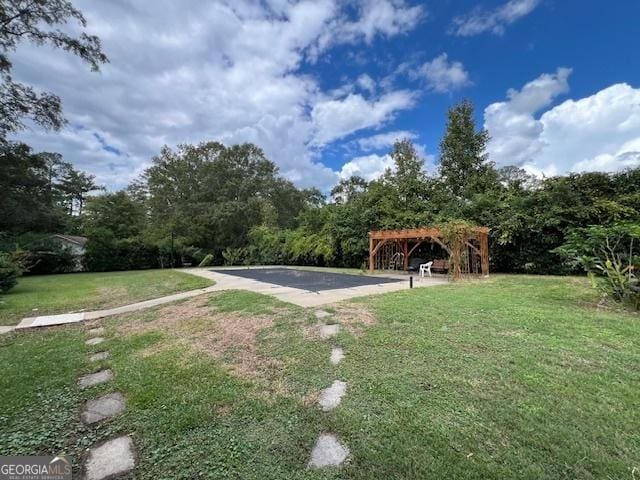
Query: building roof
x=81, y=241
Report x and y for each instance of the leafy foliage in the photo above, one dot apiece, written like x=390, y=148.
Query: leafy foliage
x=611, y=257
x=10, y=270
x=34, y=21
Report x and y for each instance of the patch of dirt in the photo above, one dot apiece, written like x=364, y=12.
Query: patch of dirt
x=230, y=337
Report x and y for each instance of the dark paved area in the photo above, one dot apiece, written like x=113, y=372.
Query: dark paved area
x=306, y=279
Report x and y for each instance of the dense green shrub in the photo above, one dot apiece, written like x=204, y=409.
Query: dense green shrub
x=10, y=270
x=43, y=253
x=105, y=253
x=611, y=257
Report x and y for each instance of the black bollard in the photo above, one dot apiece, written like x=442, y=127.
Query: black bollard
x=410, y=281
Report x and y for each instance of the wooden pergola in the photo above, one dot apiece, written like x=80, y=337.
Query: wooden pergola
x=407, y=241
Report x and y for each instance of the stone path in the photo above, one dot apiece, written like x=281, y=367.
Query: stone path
x=337, y=354
x=328, y=331
x=117, y=456
x=114, y=457
x=331, y=397
x=97, y=357
x=102, y=408
x=328, y=451
x=97, y=378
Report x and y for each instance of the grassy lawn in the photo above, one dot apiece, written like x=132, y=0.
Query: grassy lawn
x=71, y=292
x=515, y=377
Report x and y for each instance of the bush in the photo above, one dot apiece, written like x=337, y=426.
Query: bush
x=43, y=254
x=105, y=253
x=206, y=261
x=10, y=270
x=611, y=258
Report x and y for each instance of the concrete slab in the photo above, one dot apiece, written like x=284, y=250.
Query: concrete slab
x=331, y=397
x=97, y=378
x=97, y=357
x=328, y=331
x=94, y=332
x=4, y=329
x=320, y=314
x=102, y=408
x=328, y=452
x=337, y=354
x=95, y=341
x=49, y=320
x=114, y=457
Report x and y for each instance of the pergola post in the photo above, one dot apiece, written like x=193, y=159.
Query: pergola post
x=372, y=254
x=484, y=253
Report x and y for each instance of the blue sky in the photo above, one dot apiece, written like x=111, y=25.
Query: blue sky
x=324, y=87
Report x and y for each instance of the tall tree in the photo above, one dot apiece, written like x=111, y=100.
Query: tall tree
x=76, y=185
x=464, y=164
x=35, y=21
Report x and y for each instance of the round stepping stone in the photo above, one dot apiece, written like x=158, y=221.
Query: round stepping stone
x=114, y=457
x=331, y=397
x=104, y=407
x=97, y=378
x=328, y=452
x=322, y=314
x=337, y=354
x=328, y=331
x=97, y=357
x=95, y=341
x=96, y=331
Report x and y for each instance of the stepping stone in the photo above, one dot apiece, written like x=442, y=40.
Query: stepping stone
x=95, y=341
x=97, y=378
x=322, y=314
x=114, y=457
x=97, y=357
x=337, y=354
x=328, y=331
x=94, y=332
x=104, y=407
x=328, y=452
x=331, y=397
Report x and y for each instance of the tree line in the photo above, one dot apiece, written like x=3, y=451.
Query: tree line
x=230, y=203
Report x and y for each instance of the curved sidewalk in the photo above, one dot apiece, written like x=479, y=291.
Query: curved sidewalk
x=303, y=298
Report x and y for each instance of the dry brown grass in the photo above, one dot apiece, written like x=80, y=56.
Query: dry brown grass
x=229, y=337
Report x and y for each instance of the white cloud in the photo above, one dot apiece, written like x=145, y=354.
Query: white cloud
x=367, y=83
x=480, y=20
x=441, y=75
x=384, y=140
x=337, y=118
x=228, y=70
x=368, y=167
x=599, y=132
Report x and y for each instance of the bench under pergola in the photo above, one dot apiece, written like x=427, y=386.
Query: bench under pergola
x=468, y=254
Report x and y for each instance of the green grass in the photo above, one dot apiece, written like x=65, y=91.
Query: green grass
x=516, y=377
x=52, y=294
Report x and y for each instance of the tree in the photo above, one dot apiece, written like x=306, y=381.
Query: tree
x=464, y=165
x=30, y=200
x=34, y=21
x=76, y=185
x=119, y=213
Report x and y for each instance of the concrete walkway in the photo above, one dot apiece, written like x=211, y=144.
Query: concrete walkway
x=303, y=298
x=49, y=320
